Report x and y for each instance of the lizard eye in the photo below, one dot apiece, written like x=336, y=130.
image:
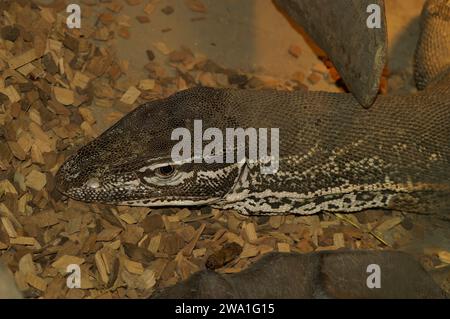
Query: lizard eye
x=165, y=171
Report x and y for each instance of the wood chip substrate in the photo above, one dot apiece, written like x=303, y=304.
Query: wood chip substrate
x=57, y=85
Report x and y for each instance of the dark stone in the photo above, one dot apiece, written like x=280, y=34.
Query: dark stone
x=150, y=55
x=407, y=223
x=187, y=77
x=327, y=274
x=3, y=98
x=340, y=83
x=10, y=33
x=206, y=209
x=238, y=79
x=76, y=118
x=4, y=5
x=168, y=10
x=300, y=87
x=211, y=66
x=261, y=220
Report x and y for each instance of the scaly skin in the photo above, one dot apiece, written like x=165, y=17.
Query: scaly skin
x=334, y=155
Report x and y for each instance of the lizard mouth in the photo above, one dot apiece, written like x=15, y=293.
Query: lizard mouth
x=65, y=176
x=171, y=201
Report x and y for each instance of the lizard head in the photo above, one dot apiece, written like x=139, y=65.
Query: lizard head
x=131, y=163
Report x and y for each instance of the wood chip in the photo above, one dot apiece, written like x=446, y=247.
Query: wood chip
x=149, y=8
x=26, y=69
x=250, y=232
x=190, y=247
x=233, y=238
x=283, y=248
x=133, y=267
x=444, y=256
x=186, y=232
x=42, y=140
x=388, y=224
x=154, y=244
x=338, y=240
x=23, y=59
x=276, y=221
x=249, y=251
x=9, y=227
x=17, y=150
x=320, y=67
x=48, y=15
x=295, y=50
x=36, y=180
x=314, y=77
x=143, y=19
x=131, y=95
x=25, y=142
x=35, y=116
x=196, y=5
x=7, y=188
x=183, y=214
x=298, y=77
x=127, y=218
x=146, y=84
x=147, y=279
x=264, y=249
x=113, y=117
x=26, y=241
x=162, y=47
x=11, y=92
x=185, y=267
x=88, y=129
x=200, y=252
x=64, y=96
x=26, y=265
x=36, y=155
x=4, y=211
x=124, y=32
x=108, y=234
x=80, y=80
x=102, y=266
x=62, y=262
x=87, y=115
x=35, y=281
